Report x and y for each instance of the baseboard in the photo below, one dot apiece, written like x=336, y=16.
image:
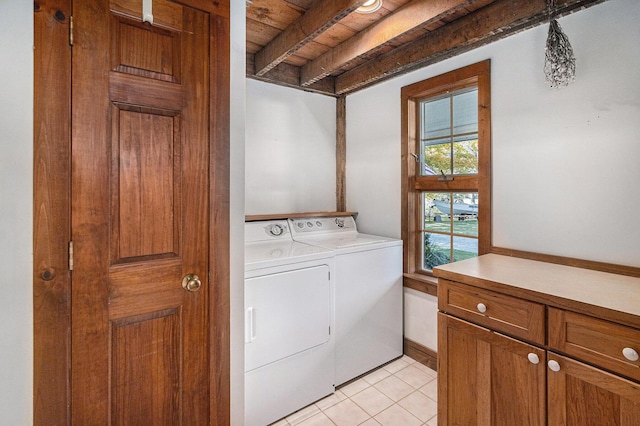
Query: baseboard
x=420, y=353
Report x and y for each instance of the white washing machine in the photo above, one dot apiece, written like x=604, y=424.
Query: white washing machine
x=368, y=280
x=289, y=315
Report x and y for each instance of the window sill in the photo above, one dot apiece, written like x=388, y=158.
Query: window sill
x=422, y=283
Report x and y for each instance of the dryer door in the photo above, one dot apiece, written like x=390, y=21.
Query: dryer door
x=286, y=313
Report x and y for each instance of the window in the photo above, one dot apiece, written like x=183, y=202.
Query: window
x=446, y=168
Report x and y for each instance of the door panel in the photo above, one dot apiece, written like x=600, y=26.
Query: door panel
x=581, y=395
x=140, y=221
x=148, y=155
x=151, y=53
x=146, y=368
x=490, y=380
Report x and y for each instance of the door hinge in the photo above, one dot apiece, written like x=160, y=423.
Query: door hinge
x=70, y=30
x=71, y=255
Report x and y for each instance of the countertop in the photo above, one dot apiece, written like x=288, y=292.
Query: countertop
x=602, y=294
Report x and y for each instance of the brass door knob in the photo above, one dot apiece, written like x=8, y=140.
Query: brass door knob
x=191, y=282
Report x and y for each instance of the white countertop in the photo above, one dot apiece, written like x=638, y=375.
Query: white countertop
x=539, y=280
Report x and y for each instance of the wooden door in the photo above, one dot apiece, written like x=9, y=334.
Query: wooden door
x=486, y=378
x=581, y=395
x=140, y=214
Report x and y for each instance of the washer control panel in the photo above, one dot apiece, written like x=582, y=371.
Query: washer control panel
x=322, y=225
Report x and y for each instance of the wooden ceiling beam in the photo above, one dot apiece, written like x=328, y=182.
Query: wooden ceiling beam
x=289, y=76
x=490, y=23
x=322, y=15
x=418, y=13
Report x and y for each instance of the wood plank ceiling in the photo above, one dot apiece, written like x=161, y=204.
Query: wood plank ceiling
x=327, y=46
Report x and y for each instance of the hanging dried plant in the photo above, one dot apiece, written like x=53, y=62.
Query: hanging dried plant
x=559, y=61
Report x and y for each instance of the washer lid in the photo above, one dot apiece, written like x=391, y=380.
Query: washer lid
x=351, y=240
x=348, y=242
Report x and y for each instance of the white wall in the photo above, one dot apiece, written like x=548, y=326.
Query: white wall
x=565, y=162
x=421, y=318
x=290, y=150
x=238, y=57
x=16, y=212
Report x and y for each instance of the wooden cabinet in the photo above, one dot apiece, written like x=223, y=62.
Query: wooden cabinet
x=609, y=345
x=582, y=395
x=512, y=355
x=510, y=315
x=486, y=378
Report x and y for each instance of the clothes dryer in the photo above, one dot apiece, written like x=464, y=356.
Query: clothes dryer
x=289, y=315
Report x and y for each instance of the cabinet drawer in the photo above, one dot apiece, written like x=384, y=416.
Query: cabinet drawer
x=510, y=315
x=597, y=341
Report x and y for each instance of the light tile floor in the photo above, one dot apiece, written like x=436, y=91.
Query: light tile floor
x=401, y=393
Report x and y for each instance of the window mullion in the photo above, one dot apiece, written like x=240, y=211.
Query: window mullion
x=451, y=127
x=460, y=183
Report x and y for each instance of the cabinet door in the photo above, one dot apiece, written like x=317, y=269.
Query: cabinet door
x=581, y=395
x=487, y=378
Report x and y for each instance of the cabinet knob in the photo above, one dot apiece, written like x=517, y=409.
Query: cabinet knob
x=553, y=365
x=630, y=354
x=533, y=358
x=482, y=308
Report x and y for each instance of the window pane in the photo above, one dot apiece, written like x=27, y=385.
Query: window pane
x=465, y=157
x=436, y=118
x=465, y=112
x=436, y=158
x=434, y=219
x=441, y=140
x=464, y=248
x=449, y=217
x=437, y=249
x=465, y=210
